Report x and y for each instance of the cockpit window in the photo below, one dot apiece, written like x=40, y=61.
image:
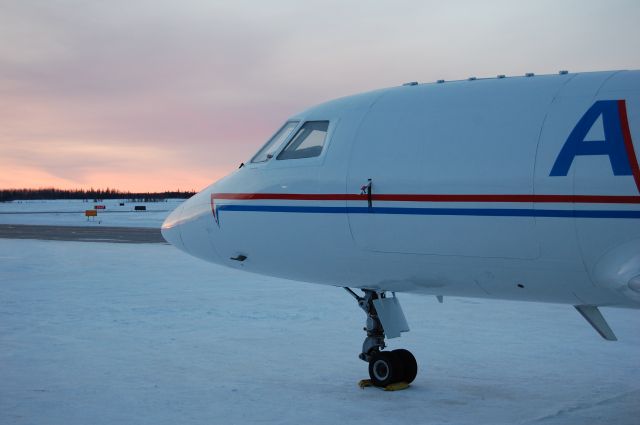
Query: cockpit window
x=307, y=142
x=274, y=143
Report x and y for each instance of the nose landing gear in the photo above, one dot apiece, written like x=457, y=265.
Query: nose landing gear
x=388, y=369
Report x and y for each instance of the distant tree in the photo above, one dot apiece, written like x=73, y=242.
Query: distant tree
x=7, y=195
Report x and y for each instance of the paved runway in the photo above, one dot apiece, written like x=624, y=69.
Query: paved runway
x=82, y=234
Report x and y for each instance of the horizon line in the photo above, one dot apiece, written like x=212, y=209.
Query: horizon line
x=92, y=189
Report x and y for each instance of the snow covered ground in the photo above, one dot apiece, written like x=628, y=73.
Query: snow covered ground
x=98, y=333
x=71, y=212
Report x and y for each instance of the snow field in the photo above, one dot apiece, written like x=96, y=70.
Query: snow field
x=98, y=333
x=71, y=212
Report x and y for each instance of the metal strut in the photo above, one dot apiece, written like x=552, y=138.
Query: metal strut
x=374, y=342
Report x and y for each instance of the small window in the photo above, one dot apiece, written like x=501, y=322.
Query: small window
x=307, y=142
x=274, y=143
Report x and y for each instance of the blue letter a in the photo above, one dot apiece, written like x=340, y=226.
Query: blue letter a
x=612, y=145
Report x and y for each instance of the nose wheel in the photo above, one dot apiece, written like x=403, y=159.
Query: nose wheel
x=387, y=369
x=392, y=367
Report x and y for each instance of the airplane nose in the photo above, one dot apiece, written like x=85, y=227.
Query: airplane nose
x=190, y=228
x=171, y=228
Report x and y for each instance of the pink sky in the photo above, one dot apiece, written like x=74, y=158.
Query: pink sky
x=154, y=95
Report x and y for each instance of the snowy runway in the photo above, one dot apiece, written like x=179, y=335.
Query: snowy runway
x=99, y=333
x=82, y=233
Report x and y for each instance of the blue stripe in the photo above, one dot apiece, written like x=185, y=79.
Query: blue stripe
x=480, y=212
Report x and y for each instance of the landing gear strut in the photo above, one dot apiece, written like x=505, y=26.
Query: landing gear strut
x=385, y=367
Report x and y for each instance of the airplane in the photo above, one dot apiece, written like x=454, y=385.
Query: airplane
x=517, y=188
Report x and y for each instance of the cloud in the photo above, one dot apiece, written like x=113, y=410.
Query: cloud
x=69, y=164
x=206, y=82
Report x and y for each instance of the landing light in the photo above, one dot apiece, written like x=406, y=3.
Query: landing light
x=634, y=283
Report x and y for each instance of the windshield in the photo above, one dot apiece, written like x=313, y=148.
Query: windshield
x=275, y=142
x=307, y=142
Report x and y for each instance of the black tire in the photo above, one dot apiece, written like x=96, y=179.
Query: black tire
x=409, y=364
x=385, y=368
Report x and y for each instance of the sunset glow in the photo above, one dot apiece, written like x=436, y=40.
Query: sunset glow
x=152, y=96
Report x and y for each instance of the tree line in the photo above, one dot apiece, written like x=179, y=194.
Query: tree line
x=93, y=194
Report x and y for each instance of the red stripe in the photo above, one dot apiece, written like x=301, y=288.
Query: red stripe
x=628, y=143
x=578, y=199
x=594, y=199
x=290, y=196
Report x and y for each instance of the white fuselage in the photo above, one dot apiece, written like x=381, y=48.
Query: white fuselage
x=515, y=188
